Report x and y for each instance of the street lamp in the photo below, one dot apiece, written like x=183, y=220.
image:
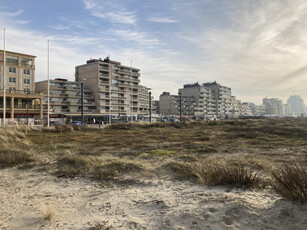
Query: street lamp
x=180, y=105
x=81, y=80
x=28, y=105
x=149, y=105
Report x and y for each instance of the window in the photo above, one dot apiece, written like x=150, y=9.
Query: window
x=12, y=89
x=26, y=71
x=26, y=81
x=26, y=61
x=27, y=90
x=12, y=70
x=12, y=79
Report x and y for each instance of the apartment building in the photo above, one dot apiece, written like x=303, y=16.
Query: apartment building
x=143, y=100
x=115, y=86
x=170, y=104
x=21, y=99
x=205, y=103
x=155, y=107
x=65, y=97
x=235, y=107
x=222, y=97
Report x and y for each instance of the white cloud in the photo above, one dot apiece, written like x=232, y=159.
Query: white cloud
x=110, y=11
x=261, y=50
x=140, y=38
x=161, y=20
x=9, y=14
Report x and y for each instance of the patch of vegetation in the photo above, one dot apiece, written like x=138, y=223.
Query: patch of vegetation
x=14, y=157
x=162, y=152
x=291, y=182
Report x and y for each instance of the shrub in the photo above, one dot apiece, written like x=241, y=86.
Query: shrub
x=10, y=158
x=291, y=182
x=215, y=173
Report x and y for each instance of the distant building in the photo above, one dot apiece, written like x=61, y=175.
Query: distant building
x=275, y=107
x=222, y=97
x=21, y=99
x=205, y=103
x=155, y=107
x=297, y=105
x=65, y=97
x=115, y=87
x=170, y=104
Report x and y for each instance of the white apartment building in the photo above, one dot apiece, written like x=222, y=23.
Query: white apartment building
x=115, y=87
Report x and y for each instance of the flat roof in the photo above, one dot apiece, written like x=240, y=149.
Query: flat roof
x=11, y=52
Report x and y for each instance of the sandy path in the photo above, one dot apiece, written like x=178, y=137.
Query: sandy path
x=147, y=204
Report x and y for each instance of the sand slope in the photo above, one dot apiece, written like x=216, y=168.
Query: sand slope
x=139, y=204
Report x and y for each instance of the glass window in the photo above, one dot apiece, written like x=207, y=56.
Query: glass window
x=12, y=79
x=12, y=70
x=26, y=81
x=26, y=71
x=11, y=59
x=26, y=61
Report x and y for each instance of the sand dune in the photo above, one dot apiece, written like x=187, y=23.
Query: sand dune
x=148, y=203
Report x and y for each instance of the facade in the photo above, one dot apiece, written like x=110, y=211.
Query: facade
x=297, y=105
x=21, y=99
x=222, y=96
x=275, y=107
x=115, y=87
x=65, y=97
x=235, y=107
x=212, y=100
x=143, y=100
x=155, y=107
x=204, y=100
x=170, y=104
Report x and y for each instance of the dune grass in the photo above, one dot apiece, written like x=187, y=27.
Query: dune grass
x=290, y=181
x=237, y=153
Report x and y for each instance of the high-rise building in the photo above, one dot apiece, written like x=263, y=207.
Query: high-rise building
x=297, y=105
x=21, y=99
x=205, y=104
x=65, y=97
x=115, y=86
x=222, y=97
x=170, y=104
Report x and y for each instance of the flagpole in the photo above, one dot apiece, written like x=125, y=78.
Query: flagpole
x=131, y=94
x=4, y=82
x=48, y=101
x=110, y=92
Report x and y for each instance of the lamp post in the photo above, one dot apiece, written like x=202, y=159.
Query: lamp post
x=149, y=106
x=27, y=105
x=82, y=107
x=180, y=105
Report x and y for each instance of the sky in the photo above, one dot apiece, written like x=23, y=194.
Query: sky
x=256, y=47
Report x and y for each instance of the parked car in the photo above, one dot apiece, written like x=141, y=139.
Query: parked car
x=54, y=123
x=76, y=123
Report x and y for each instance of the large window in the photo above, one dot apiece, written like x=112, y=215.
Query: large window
x=12, y=70
x=26, y=71
x=12, y=79
x=11, y=59
x=26, y=61
x=26, y=81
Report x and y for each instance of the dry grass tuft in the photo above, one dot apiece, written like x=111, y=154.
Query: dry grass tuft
x=48, y=212
x=291, y=182
x=214, y=172
x=14, y=157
